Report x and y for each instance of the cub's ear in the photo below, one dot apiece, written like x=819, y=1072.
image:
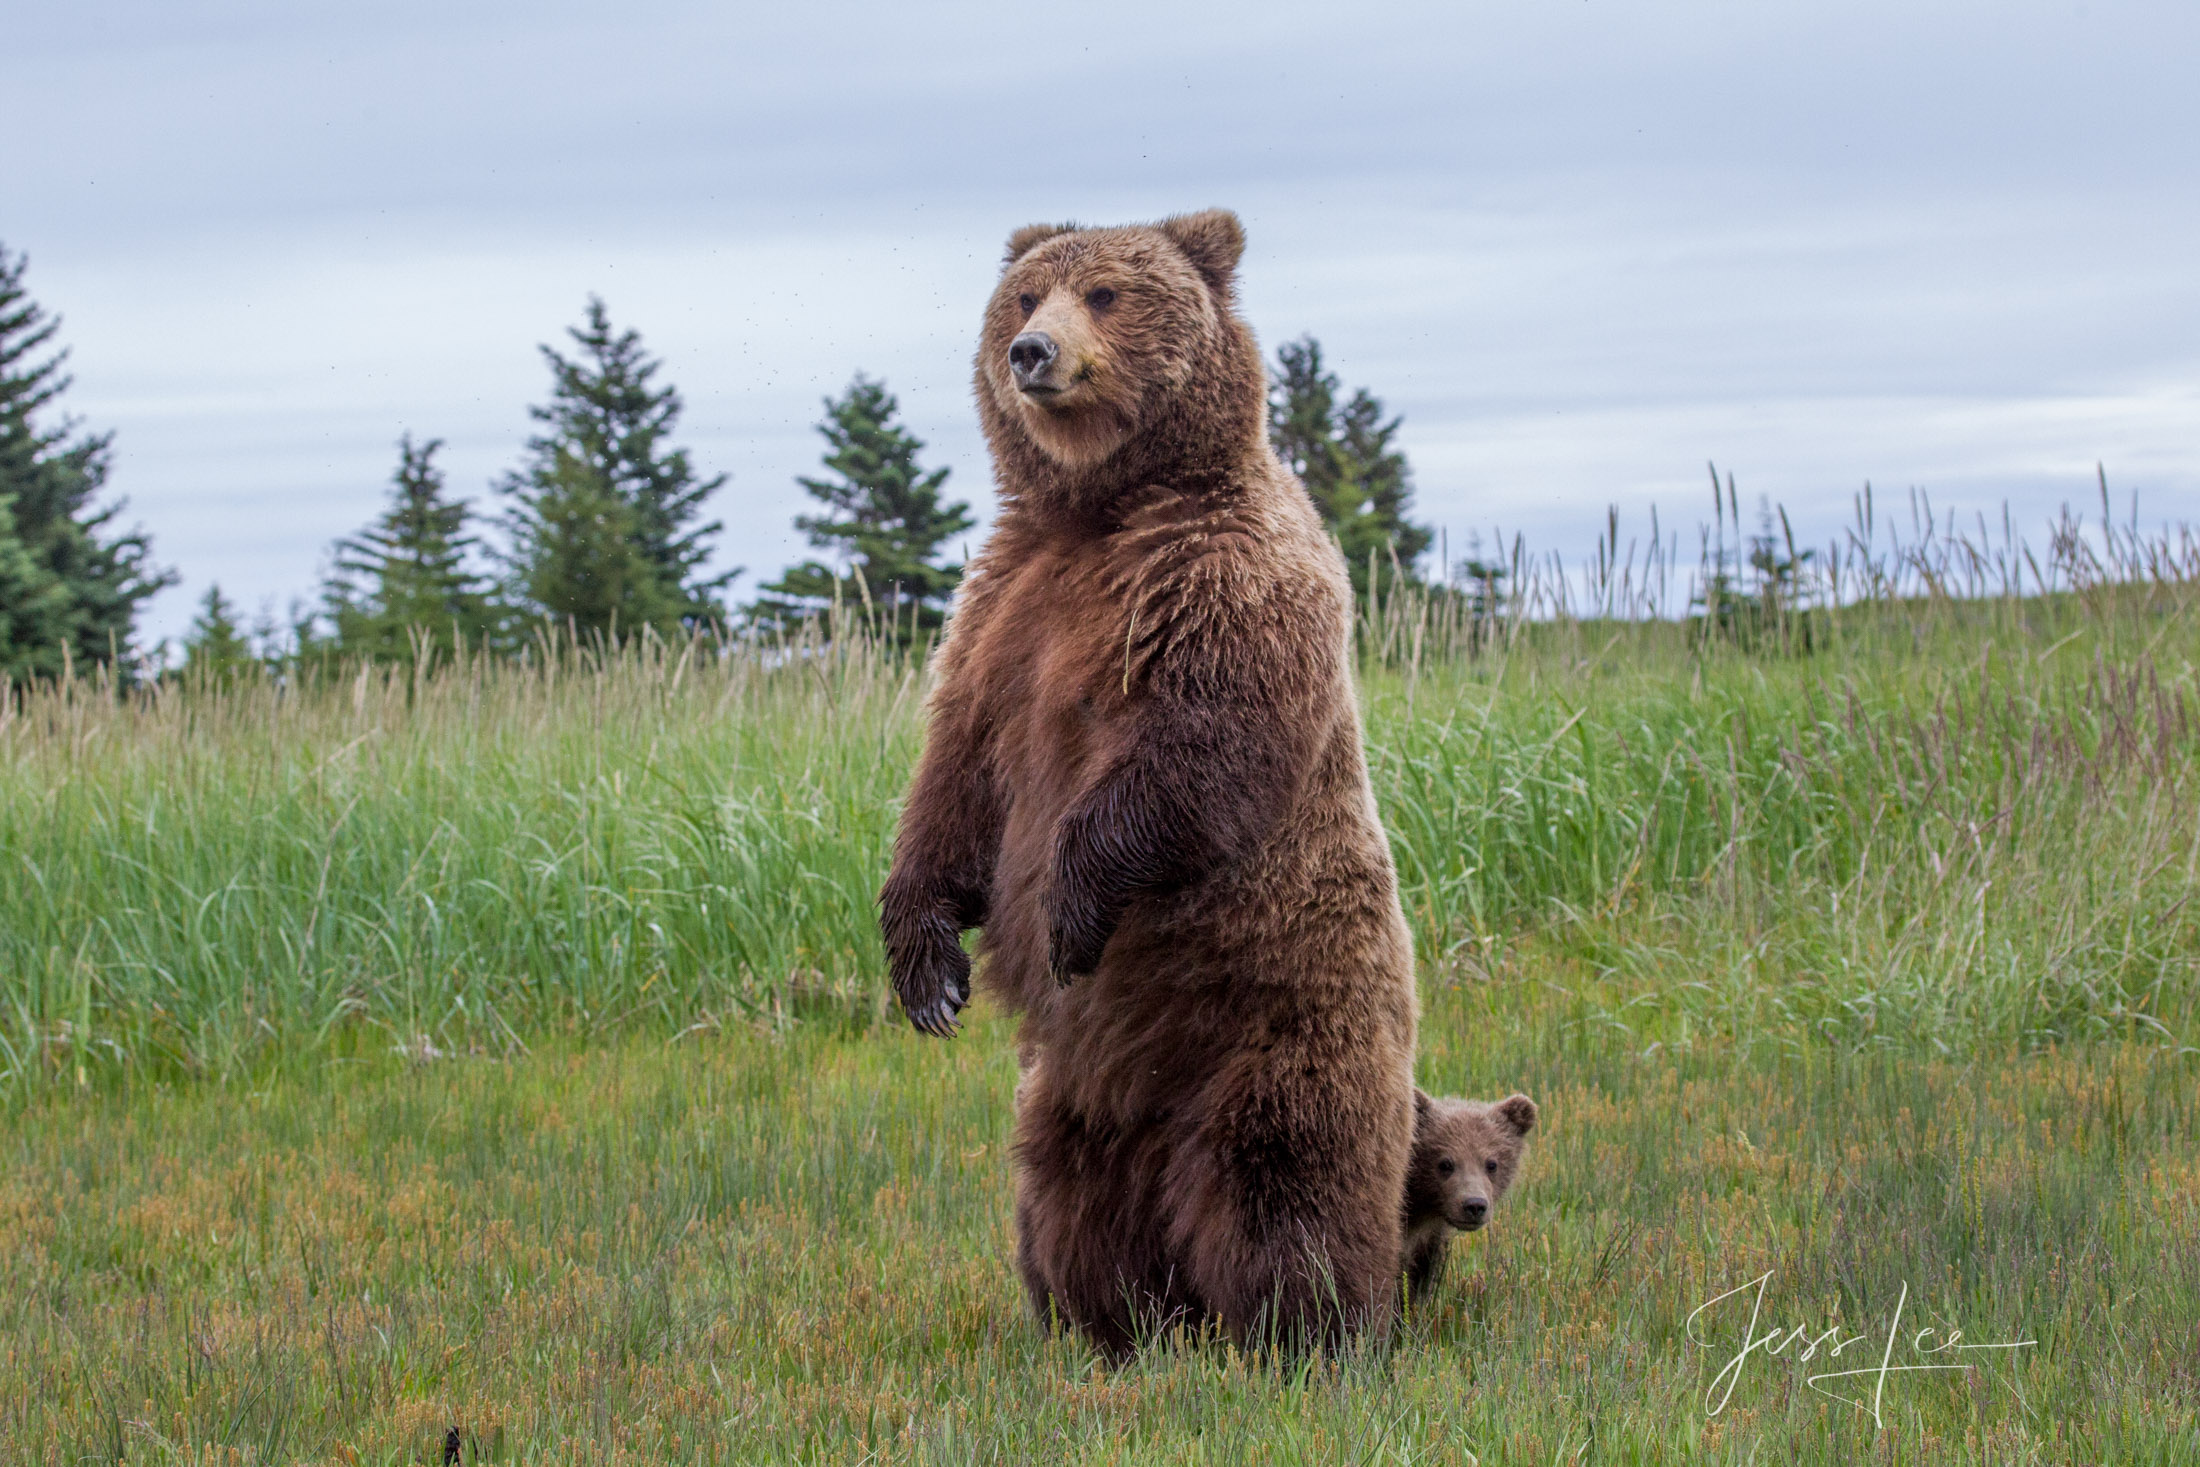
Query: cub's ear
x=1020, y=243
x=1518, y=1112
x=1212, y=240
x=1421, y=1107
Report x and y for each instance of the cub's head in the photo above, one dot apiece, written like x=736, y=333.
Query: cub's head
x=1465, y=1154
x=1096, y=336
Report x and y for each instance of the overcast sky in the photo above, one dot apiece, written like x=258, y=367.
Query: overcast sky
x=1582, y=247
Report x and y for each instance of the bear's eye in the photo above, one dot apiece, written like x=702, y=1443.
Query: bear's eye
x=1028, y=302
x=1490, y=1167
x=1101, y=299
x=1444, y=1168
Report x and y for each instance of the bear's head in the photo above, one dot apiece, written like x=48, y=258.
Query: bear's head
x=1465, y=1154
x=1118, y=352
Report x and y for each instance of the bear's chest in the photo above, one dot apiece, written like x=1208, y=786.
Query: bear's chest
x=1058, y=656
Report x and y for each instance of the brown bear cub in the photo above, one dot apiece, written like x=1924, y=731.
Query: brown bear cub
x=1465, y=1154
x=1142, y=777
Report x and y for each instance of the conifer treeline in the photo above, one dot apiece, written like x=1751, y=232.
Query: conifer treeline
x=601, y=528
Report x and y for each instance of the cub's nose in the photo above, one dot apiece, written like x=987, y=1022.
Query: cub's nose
x=1474, y=1214
x=1030, y=354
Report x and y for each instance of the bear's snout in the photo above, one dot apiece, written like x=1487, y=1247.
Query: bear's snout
x=1472, y=1213
x=1029, y=356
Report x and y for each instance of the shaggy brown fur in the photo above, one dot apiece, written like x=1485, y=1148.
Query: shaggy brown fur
x=1465, y=1154
x=1143, y=779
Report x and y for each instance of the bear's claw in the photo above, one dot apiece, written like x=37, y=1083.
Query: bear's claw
x=936, y=1019
x=933, y=987
x=934, y=1014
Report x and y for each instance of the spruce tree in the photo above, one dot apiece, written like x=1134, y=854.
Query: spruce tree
x=1302, y=417
x=215, y=646
x=34, y=606
x=602, y=518
x=405, y=581
x=884, y=520
x=578, y=554
x=1345, y=453
x=79, y=599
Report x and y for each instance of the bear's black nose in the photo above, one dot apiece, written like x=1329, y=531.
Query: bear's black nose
x=1475, y=1213
x=1031, y=354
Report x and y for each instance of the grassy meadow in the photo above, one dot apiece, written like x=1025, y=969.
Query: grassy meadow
x=503, y=1049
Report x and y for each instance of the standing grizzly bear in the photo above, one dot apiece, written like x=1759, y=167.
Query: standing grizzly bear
x=1143, y=778
x=1465, y=1155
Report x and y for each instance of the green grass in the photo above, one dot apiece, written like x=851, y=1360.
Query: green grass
x=758, y=1247
x=507, y=1048
x=1983, y=835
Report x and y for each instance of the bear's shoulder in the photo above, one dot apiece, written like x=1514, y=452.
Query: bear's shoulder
x=1249, y=544
x=1229, y=581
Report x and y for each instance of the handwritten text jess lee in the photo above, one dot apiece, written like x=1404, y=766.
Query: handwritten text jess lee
x=1807, y=1345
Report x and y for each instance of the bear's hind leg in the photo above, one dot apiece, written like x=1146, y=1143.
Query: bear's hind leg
x=1286, y=1215
x=1090, y=1244
x=1295, y=1289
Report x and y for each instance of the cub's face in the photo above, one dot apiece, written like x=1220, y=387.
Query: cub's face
x=1465, y=1155
x=1090, y=328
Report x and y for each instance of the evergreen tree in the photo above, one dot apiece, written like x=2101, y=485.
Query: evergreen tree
x=215, y=646
x=603, y=517
x=883, y=520
x=1302, y=418
x=34, y=606
x=1345, y=454
x=405, y=579
x=578, y=554
x=79, y=598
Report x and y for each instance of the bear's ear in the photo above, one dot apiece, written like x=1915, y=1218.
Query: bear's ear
x=1421, y=1107
x=1020, y=243
x=1212, y=240
x=1518, y=1112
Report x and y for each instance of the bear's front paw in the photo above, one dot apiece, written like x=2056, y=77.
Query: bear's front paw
x=934, y=989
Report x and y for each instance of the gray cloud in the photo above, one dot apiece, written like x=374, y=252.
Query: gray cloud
x=1582, y=247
